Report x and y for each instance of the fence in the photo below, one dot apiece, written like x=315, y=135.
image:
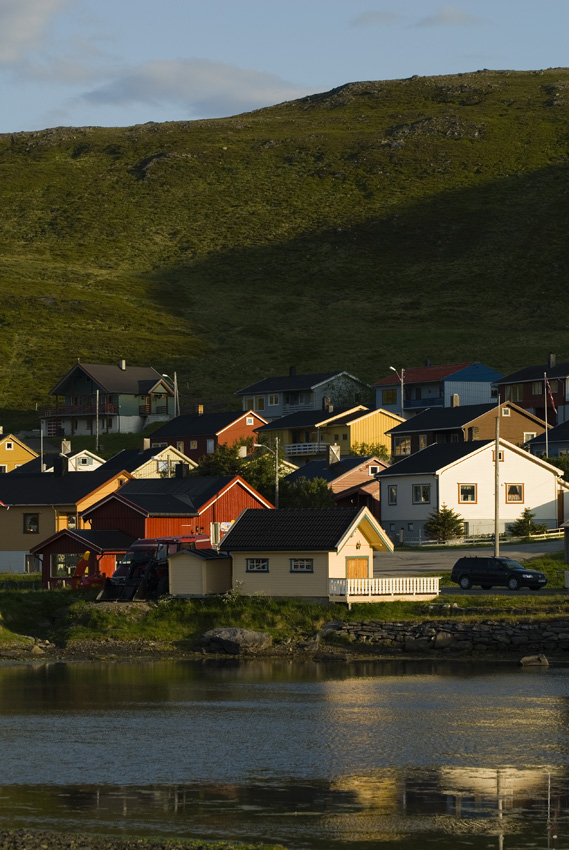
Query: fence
x=383, y=589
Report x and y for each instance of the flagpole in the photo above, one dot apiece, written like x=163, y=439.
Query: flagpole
x=546, y=425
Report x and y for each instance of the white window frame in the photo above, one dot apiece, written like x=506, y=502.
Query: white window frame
x=392, y=494
x=425, y=488
x=249, y=420
x=273, y=400
x=301, y=565
x=529, y=435
x=373, y=470
x=9, y=446
x=399, y=442
x=506, y=411
x=256, y=565
x=462, y=500
x=509, y=500
x=3, y=468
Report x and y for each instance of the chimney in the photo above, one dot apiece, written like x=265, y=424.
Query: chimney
x=428, y=362
x=145, y=444
x=1, y=429
x=333, y=454
x=292, y=372
x=327, y=404
x=552, y=361
x=66, y=447
x=455, y=400
x=122, y=365
x=200, y=409
x=60, y=466
x=182, y=470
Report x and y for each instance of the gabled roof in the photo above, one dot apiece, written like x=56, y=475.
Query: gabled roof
x=535, y=373
x=132, y=380
x=201, y=554
x=290, y=383
x=299, y=530
x=10, y=438
x=312, y=419
x=200, y=424
x=95, y=541
x=174, y=496
x=47, y=488
x=428, y=461
x=558, y=434
x=467, y=372
x=48, y=461
x=330, y=472
x=133, y=459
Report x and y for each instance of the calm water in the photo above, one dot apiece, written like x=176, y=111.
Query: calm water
x=393, y=754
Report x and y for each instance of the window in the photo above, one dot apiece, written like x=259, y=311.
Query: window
x=336, y=437
x=344, y=436
x=301, y=565
x=506, y=411
x=529, y=435
x=180, y=445
x=31, y=523
x=422, y=441
x=71, y=520
x=260, y=403
x=409, y=526
x=554, y=386
x=9, y=446
x=421, y=494
x=159, y=445
x=162, y=467
x=515, y=392
x=249, y=420
x=500, y=456
x=454, y=438
x=402, y=445
x=537, y=388
x=389, y=396
x=273, y=400
x=373, y=470
x=249, y=403
x=3, y=468
x=193, y=444
x=392, y=494
x=210, y=447
x=85, y=461
x=514, y=492
x=63, y=566
x=257, y=565
x=467, y=493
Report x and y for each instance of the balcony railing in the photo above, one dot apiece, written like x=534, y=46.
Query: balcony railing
x=146, y=409
x=306, y=449
x=383, y=589
x=87, y=409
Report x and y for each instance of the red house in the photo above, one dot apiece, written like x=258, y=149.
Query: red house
x=166, y=507
x=199, y=434
x=61, y=552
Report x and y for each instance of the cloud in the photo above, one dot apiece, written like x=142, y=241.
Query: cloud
x=373, y=19
x=451, y=16
x=24, y=26
x=201, y=86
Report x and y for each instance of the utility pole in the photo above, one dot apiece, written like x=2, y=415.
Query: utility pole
x=497, y=490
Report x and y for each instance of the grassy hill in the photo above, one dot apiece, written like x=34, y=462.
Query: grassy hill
x=380, y=223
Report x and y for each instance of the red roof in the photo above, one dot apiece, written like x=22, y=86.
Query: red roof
x=423, y=374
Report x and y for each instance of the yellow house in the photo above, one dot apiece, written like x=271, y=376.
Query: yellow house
x=303, y=553
x=34, y=507
x=13, y=453
x=307, y=436
x=150, y=462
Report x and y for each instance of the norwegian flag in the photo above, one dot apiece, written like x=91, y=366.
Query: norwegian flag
x=550, y=394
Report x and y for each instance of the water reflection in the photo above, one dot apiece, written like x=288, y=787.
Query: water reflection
x=310, y=755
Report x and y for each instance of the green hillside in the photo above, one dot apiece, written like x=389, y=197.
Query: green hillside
x=380, y=223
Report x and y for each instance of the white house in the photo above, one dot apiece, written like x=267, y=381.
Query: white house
x=462, y=476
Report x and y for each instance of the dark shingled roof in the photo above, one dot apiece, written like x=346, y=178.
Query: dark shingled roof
x=322, y=469
x=204, y=554
x=47, y=488
x=196, y=425
x=427, y=461
x=308, y=419
x=295, y=530
x=442, y=418
x=171, y=496
x=99, y=541
x=282, y=383
x=535, y=373
x=129, y=459
x=558, y=434
x=133, y=380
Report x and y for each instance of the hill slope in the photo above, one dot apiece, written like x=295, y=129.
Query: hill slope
x=379, y=223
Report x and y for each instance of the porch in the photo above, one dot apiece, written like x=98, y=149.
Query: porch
x=414, y=589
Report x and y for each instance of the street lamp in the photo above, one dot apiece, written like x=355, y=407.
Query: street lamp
x=176, y=396
x=274, y=451
x=402, y=379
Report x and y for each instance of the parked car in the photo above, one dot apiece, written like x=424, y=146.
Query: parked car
x=495, y=572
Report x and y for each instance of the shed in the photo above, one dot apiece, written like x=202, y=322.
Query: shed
x=199, y=572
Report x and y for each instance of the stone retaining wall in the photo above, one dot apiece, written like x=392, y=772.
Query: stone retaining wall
x=492, y=636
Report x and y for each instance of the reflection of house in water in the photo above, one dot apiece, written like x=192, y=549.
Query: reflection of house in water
x=382, y=790
x=501, y=788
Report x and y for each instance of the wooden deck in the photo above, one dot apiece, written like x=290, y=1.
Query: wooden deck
x=414, y=589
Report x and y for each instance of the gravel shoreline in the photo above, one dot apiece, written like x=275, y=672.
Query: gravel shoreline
x=21, y=839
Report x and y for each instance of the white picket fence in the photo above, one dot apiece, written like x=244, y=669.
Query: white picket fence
x=383, y=589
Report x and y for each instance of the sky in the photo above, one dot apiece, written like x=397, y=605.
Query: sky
x=123, y=62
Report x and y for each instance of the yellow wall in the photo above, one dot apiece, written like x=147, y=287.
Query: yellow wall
x=372, y=428
x=12, y=537
x=350, y=550
x=17, y=455
x=190, y=576
x=279, y=581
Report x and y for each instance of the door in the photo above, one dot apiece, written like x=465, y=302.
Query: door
x=357, y=567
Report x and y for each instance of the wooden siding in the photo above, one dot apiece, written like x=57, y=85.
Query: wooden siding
x=17, y=455
x=358, y=476
x=279, y=581
x=115, y=515
x=372, y=428
x=105, y=564
x=338, y=560
x=192, y=576
x=12, y=535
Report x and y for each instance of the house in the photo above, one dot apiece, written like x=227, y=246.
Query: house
x=462, y=476
x=150, y=462
x=165, y=507
x=34, y=507
x=107, y=399
x=543, y=390
x=461, y=424
x=199, y=434
x=292, y=393
x=199, y=572
x=80, y=461
x=553, y=444
x=13, y=453
x=303, y=553
x=58, y=556
x=431, y=386
x=351, y=479
x=307, y=436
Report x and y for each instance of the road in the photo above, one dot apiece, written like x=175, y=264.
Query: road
x=416, y=562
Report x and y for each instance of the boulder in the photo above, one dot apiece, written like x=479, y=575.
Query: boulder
x=234, y=641
x=534, y=661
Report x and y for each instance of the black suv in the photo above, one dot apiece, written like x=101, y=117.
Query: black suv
x=495, y=572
